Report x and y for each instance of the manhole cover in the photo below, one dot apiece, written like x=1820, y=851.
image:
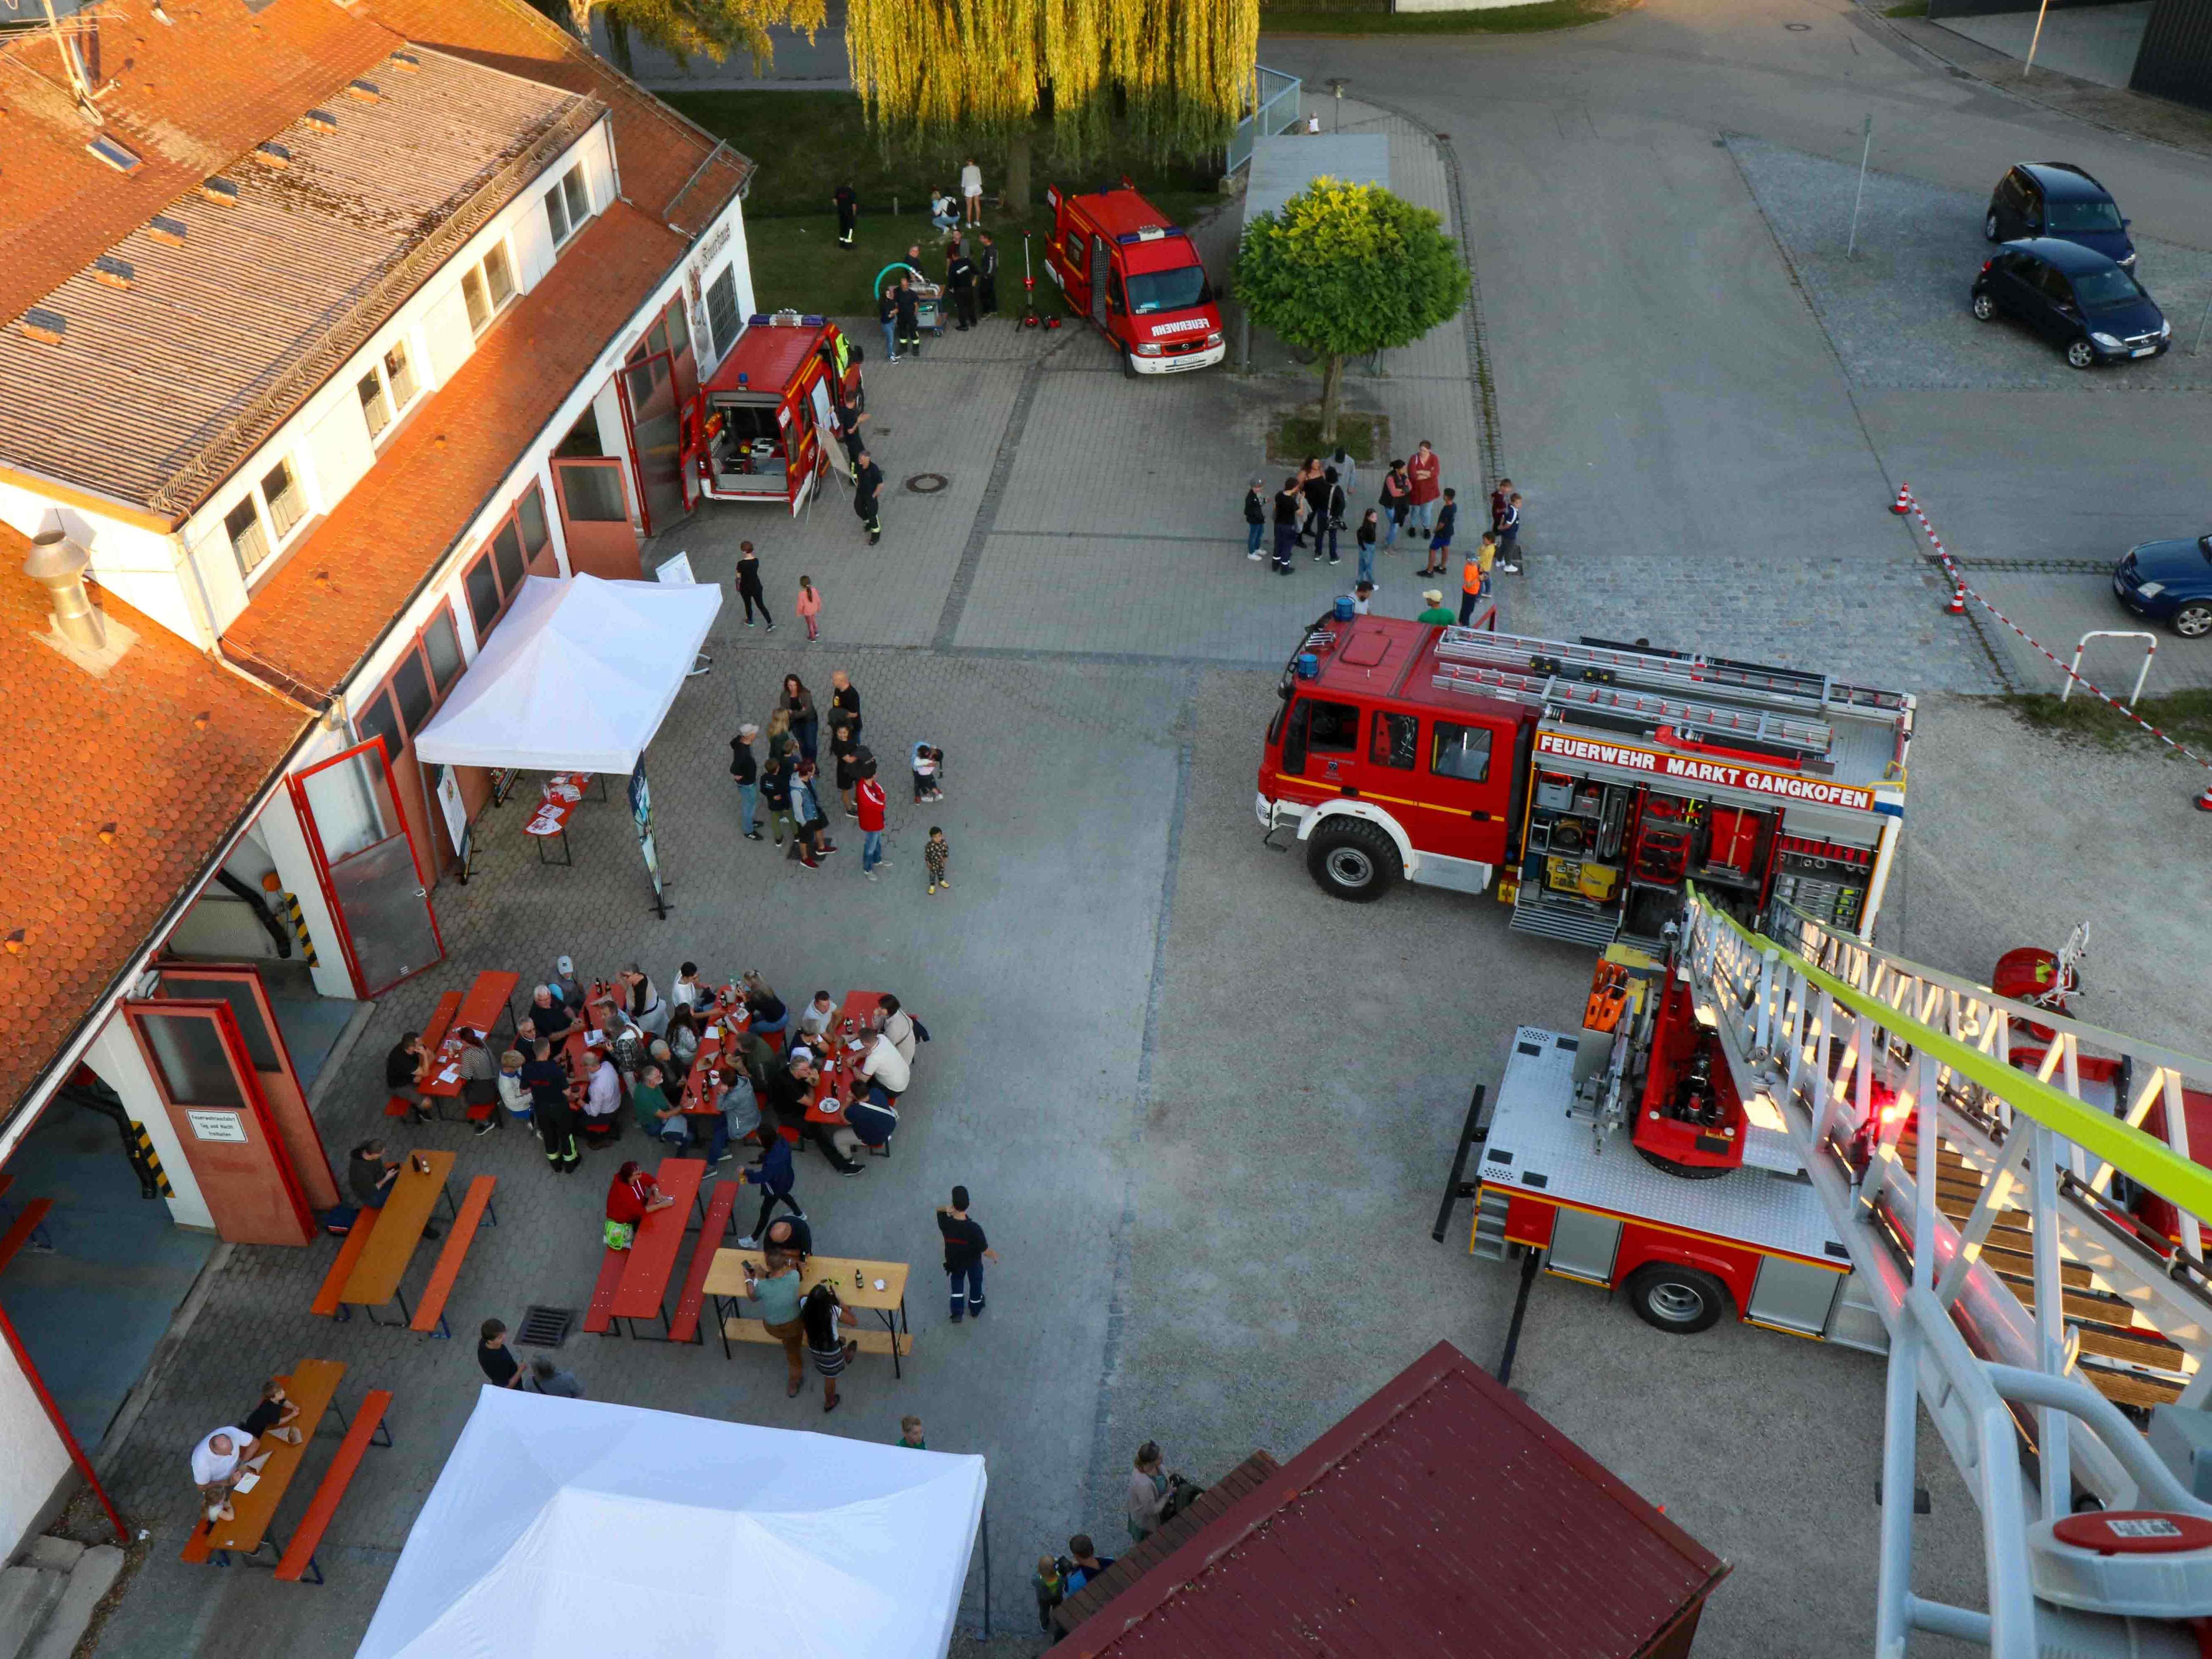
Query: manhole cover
x=925, y=483
x=545, y=1327
x=1798, y=28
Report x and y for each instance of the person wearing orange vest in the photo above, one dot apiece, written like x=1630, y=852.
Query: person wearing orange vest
x=1475, y=576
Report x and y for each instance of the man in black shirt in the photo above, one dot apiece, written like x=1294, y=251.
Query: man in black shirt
x=369, y=1178
x=904, y=307
x=966, y=1250
x=867, y=491
x=555, y=1119
x=497, y=1359
x=1255, y=521
x=1287, y=501
x=960, y=277
x=404, y=1068
x=849, y=214
x=745, y=772
x=845, y=699
x=986, y=274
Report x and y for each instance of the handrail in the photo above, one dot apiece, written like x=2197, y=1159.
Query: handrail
x=2141, y=1157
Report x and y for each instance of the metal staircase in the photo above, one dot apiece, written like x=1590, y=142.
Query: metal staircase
x=2034, y=1316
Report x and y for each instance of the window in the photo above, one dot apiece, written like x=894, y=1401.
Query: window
x=482, y=589
x=656, y=340
x=287, y=505
x=679, y=334
x=375, y=406
x=2052, y=282
x=1460, y=751
x=248, y=541
x=577, y=194
x=441, y=644
x=410, y=685
x=1396, y=741
x=496, y=577
x=722, y=319
x=594, y=495
x=1335, y=728
x=485, y=287
x=506, y=558
x=377, y=719
x=1169, y=290
x=530, y=517
x=399, y=374
x=556, y=216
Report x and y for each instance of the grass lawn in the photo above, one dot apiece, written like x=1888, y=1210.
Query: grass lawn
x=806, y=143
x=2186, y=716
x=1322, y=19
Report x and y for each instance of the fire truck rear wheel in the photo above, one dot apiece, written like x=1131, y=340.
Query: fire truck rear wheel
x=1676, y=1298
x=1354, y=859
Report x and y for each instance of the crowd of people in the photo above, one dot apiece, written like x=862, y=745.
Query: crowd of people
x=1156, y=1494
x=1311, y=510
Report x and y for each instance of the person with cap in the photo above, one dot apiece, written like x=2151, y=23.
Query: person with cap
x=565, y=985
x=745, y=771
x=867, y=495
x=1255, y=519
x=1435, y=612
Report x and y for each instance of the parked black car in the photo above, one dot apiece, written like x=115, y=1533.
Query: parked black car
x=2169, y=582
x=2058, y=199
x=2092, y=309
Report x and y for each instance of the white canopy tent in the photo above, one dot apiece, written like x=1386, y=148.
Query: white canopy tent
x=578, y=676
x=565, y=1528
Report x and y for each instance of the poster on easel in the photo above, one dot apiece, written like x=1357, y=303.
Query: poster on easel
x=825, y=431
x=641, y=810
x=457, y=817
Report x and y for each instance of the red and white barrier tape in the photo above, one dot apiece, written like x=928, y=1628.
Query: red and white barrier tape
x=1958, y=585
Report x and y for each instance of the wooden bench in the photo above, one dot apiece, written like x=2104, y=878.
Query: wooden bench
x=600, y=1314
x=686, y=1326
x=430, y=1312
x=29, y=1220
x=312, y=1385
x=490, y=996
x=298, y=1557
x=327, y=1301
x=738, y=1328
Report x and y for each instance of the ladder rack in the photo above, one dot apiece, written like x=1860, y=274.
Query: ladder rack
x=1650, y=709
x=1991, y=1302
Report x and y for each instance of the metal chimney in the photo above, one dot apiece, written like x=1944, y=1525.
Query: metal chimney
x=58, y=565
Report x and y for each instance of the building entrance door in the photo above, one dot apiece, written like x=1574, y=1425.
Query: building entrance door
x=371, y=874
x=206, y=1079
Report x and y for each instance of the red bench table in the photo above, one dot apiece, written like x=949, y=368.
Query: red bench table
x=643, y=1293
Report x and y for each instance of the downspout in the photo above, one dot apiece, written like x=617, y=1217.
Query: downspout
x=283, y=940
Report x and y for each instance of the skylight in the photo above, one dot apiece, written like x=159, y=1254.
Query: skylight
x=113, y=153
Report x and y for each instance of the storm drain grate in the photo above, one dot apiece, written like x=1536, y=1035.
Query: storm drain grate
x=545, y=1327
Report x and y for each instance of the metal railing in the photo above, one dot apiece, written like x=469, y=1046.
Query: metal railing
x=1850, y=1047
x=1276, y=112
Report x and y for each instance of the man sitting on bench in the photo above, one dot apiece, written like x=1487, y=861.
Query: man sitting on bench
x=219, y=1463
x=370, y=1175
x=869, y=1121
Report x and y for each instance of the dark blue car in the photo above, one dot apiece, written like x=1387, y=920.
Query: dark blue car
x=2169, y=582
x=2056, y=198
x=2080, y=300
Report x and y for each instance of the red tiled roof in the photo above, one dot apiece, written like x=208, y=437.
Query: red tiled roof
x=339, y=591
x=186, y=97
x=1442, y=1518
x=168, y=747
x=658, y=150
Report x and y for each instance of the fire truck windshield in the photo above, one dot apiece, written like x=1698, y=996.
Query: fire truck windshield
x=1168, y=291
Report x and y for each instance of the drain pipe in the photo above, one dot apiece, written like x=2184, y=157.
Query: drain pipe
x=284, y=939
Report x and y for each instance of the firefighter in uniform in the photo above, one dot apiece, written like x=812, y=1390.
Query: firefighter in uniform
x=986, y=274
x=960, y=277
x=867, y=489
x=849, y=214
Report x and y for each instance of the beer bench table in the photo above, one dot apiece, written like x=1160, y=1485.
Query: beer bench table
x=726, y=1283
x=382, y=1263
x=634, y=1283
x=312, y=1386
x=433, y=1037
x=489, y=997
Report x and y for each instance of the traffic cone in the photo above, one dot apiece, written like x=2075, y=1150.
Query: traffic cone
x=2203, y=801
x=1903, y=504
x=1958, y=606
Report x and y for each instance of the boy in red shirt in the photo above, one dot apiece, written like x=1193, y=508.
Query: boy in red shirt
x=869, y=796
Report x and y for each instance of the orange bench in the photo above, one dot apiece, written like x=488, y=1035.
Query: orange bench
x=686, y=1326
x=326, y=1299
x=311, y=1384
x=430, y=1313
x=299, y=1558
x=600, y=1314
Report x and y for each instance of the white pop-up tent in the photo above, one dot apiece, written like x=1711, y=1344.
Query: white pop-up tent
x=565, y=1528
x=578, y=676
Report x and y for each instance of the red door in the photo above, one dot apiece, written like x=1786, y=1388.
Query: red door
x=209, y=1086
x=250, y=1009
x=656, y=443
x=691, y=450
x=371, y=873
x=1467, y=779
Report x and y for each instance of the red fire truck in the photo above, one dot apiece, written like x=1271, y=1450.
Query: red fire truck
x=760, y=431
x=1592, y=779
x=1121, y=262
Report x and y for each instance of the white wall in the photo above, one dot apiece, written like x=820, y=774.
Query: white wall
x=140, y=567
x=32, y=1460
x=114, y=1057
x=280, y=832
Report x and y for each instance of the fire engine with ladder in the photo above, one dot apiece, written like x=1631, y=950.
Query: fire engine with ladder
x=1592, y=780
x=1839, y=1143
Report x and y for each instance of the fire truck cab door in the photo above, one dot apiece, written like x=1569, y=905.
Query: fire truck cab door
x=1321, y=743
x=1466, y=776
x=1101, y=279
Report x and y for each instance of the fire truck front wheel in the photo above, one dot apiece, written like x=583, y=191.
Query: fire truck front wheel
x=1676, y=1298
x=1353, y=860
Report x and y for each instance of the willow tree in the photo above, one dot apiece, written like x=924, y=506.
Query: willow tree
x=1175, y=74
x=688, y=28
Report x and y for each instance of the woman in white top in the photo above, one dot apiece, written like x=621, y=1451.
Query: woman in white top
x=971, y=191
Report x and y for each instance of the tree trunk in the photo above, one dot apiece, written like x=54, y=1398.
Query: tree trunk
x=1018, y=173
x=1331, y=387
x=580, y=19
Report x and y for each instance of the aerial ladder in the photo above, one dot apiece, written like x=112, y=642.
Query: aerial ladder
x=1987, y=1164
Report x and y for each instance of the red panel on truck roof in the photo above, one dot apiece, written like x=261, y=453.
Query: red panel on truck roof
x=1442, y=1518
x=768, y=356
